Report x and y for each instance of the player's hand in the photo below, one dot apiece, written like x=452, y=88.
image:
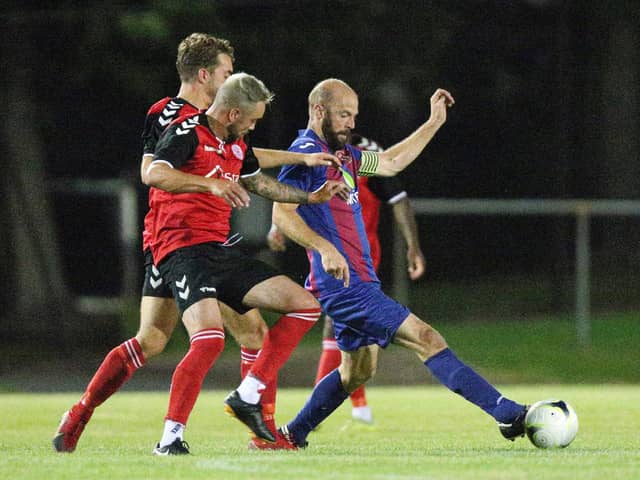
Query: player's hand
x=321, y=159
x=230, y=192
x=335, y=264
x=417, y=263
x=328, y=190
x=440, y=101
x=276, y=240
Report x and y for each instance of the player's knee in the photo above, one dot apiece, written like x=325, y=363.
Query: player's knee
x=305, y=301
x=431, y=341
x=366, y=374
x=352, y=378
x=252, y=337
x=152, y=343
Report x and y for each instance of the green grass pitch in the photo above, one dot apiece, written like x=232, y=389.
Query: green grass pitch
x=420, y=433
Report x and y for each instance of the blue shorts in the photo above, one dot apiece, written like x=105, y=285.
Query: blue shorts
x=363, y=315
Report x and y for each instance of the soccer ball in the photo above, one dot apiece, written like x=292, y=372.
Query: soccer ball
x=551, y=424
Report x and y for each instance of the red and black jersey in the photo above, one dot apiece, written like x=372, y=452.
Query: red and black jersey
x=372, y=192
x=179, y=220
x=159, y=116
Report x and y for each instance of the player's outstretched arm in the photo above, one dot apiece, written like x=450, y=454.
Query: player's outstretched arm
x=286, y=218
x=161, y=175
x=270, y=188
x=406, y=221
x=268, y=158
x=398, y=157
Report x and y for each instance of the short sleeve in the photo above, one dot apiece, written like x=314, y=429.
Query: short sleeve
x=299, y=176
x=305, y=178
x=250, y=165
x=151, y=133
x=178, y=143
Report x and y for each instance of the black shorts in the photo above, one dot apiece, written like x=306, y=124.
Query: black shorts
x=154, y=285
x=210, y=270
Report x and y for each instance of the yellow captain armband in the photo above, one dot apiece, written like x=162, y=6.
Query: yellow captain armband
x=369, y=164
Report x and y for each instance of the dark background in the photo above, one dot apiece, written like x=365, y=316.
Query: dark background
x=547, y=106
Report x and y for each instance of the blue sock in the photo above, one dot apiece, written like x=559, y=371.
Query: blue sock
x=463, y=380
x=327, y=395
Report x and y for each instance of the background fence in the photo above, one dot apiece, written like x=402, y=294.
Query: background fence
x=123, y=246
x=581, y=212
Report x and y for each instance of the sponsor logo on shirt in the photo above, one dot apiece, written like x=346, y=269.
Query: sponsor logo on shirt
x=218, y=172
x=353, y=198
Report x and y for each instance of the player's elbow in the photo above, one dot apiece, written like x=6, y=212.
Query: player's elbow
x=390, y=165
x=146, y=178
x=388, y=169
x=155, y=175
x=144, y=165
x=151, y=178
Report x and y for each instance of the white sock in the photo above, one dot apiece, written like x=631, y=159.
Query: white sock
x=250, y=389
x=363, y=414
x=172, y=430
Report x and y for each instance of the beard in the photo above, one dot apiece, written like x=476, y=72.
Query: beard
x=233, y=134
x=332, y=137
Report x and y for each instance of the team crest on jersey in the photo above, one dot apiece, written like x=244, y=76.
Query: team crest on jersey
x=344, y=156
x=237, y=151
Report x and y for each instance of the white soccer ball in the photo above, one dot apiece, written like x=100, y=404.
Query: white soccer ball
x=551, y=424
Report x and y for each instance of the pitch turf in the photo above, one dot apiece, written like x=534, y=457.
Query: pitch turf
x=420, y=433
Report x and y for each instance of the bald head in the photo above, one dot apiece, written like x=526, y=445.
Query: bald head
x=333, y=107
x=328, y=91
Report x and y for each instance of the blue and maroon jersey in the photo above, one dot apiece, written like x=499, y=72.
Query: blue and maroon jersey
x=179, y=220
x=337, y=220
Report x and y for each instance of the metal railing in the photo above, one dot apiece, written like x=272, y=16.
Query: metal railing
x=582, y=210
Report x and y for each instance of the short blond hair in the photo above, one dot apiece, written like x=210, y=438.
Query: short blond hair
x=242, y=91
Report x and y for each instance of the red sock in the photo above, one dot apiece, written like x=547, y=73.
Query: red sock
x=247, y=359
x=187, y=379
x=281, y=339
x=115, y=370
x=358, y=397
x=269, y=416
x=330, y=358
x=268, y=397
